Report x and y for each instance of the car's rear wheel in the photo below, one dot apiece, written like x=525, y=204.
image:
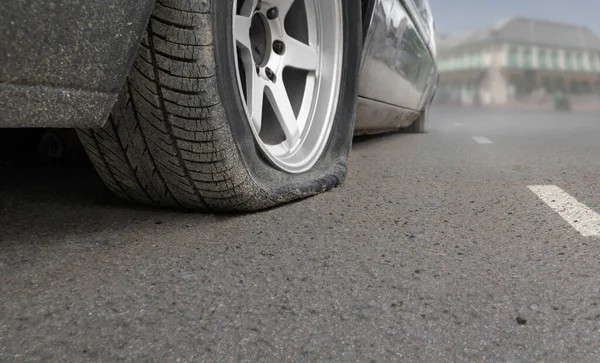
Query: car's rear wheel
x=234, y=105
x=420, y=124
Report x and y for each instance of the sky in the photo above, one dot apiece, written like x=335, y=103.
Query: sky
x=465, y=15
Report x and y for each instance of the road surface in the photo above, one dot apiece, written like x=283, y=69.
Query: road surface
x=474, y=242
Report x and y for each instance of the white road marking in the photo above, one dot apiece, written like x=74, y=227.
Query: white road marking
x=583, y=219
x=458, y=124
x=482, y=140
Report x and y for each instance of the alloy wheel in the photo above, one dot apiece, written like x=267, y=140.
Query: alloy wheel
x=288, y=67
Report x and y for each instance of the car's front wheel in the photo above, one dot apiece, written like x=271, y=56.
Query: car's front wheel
x=234, y=105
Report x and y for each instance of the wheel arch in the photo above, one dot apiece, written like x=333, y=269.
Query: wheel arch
x=66, y=60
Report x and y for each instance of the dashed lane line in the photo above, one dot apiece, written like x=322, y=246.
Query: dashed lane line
x=482, y=140
x=582, y=218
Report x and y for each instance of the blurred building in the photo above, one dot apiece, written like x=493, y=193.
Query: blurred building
x=519, y=60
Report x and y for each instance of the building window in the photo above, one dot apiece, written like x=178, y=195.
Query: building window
x=580, y=64
x=593, y=61
x=542, y=61
x=479, y=59
x=569, y=61
x=555, y=60
x=527, y=59
x=513, y=57
x=473, y=60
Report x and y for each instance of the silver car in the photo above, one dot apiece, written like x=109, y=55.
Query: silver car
x=229, y=105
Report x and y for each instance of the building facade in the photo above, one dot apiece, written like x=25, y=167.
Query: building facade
x=519, y=60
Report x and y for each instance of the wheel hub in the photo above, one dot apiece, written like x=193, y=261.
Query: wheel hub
x=259, y=38
x=266, y=32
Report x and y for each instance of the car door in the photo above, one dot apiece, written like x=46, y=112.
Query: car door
x=397, y=61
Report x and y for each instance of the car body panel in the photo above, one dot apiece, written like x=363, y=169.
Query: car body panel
x=398, y=66
x=420, y=13
x=373, y=117
x=63, y=62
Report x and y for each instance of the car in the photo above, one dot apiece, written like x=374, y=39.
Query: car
x=561, y=101
x=218, y=105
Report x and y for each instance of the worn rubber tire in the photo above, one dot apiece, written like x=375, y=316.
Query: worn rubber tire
x=178, y=135
x=420, y=125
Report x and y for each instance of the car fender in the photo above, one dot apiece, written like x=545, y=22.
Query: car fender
x=63, y=62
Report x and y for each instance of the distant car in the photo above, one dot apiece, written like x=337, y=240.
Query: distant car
x=561, y=102
x=217, y=104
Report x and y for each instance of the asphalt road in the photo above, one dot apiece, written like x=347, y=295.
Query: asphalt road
x=434, y=250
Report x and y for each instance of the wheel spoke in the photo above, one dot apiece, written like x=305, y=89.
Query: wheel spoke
x=282, y=106
x=254, y=101
x=242, y=31
x=248, y=7
x=299, y=55
x=284, y=7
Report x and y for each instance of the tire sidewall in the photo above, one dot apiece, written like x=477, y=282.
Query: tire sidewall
x=333, y=161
